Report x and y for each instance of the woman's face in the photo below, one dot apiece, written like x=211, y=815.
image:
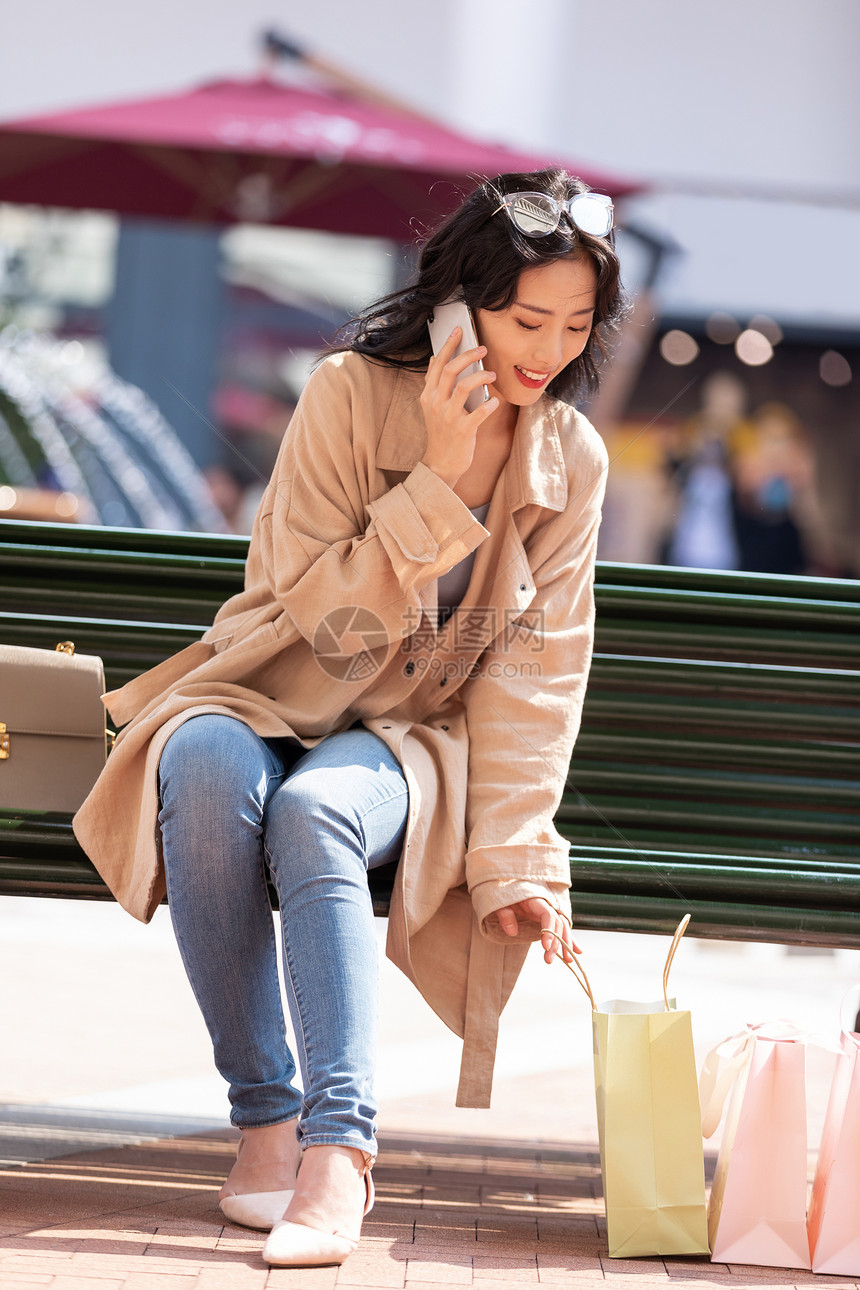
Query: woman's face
x=546, y=327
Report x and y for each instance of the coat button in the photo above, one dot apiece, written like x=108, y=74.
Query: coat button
x=409, y=668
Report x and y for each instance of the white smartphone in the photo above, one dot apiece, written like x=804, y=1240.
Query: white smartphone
x=443, y=320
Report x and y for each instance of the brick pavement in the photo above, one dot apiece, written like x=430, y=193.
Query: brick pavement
x=448, y=1213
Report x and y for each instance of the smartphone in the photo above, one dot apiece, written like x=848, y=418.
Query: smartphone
x=443, y=320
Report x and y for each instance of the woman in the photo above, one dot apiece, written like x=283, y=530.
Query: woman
x=400, y=680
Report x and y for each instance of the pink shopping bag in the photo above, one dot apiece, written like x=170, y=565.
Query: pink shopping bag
x=834, y=1211
x=757, y=1207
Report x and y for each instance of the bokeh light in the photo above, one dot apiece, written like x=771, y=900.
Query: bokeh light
x=67, y=505
x=753, y=348
x=72, y=352
x=834, y=369
x=767, y=326
x=678, y=347
x=722, y=328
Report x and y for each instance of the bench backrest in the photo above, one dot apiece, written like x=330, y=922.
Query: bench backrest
x=719, y=757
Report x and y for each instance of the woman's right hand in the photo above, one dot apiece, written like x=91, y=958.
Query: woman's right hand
x=451, y=430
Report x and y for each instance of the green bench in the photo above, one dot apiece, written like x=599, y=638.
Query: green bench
x=717, y=772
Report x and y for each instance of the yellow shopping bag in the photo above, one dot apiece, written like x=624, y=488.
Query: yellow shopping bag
x=649, y=1123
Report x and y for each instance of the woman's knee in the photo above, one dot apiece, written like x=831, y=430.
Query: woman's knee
x=330, y=797
x=216, y=768
x=207, y=747
x=307, y=801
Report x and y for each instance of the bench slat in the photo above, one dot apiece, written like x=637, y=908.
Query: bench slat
x=595, y=910
x=696, y=749
x=716, y=920
x=674, y=782
x=633, y=577
x=724, y=878
x=722, y=816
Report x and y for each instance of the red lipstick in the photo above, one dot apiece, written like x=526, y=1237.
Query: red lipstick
x=528, y=382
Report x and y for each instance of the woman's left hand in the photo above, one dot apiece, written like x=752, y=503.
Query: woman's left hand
x=546, y=916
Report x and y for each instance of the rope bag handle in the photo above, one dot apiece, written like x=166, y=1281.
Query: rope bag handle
x=579, y=973
x=575, y=967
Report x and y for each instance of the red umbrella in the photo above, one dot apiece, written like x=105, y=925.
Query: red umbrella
x=257, y=150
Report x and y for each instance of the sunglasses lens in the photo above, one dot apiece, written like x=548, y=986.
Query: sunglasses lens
x=592, y=213
x=533, y=213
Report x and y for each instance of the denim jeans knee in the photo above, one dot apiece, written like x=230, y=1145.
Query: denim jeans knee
x=341, y=810
x=215, y=777
x=234, y=806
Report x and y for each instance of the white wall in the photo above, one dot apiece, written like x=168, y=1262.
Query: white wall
x=753, y=96
x=756, y=91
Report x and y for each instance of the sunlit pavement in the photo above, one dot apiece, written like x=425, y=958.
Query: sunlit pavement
x=114, y=1130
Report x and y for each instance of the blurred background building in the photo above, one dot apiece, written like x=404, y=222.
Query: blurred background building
x=732, y=409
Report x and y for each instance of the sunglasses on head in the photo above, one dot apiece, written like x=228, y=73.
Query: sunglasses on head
x=538, y=215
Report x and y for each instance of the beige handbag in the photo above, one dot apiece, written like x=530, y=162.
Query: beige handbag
x=53, y=741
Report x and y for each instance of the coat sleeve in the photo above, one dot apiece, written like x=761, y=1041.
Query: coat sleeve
x=524, y=707
x=325, y=541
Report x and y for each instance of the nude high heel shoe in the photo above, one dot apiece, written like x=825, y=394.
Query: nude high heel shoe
x=258, y=1209
x=294, y=1245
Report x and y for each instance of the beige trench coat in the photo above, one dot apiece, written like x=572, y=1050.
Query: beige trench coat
x=336, y=625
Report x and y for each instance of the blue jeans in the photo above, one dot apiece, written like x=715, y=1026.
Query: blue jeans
x=233, y=806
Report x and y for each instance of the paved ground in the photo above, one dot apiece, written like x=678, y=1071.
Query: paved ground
x=462, y=1213
x=113, y=1134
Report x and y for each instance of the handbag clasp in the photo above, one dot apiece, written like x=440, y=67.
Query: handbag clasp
x=5, y=751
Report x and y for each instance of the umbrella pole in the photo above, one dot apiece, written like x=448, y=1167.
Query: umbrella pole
x=278, y=48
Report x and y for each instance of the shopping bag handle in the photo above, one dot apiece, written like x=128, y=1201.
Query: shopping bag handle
x=848, y=1019
x=720, y=1069
x=727, y=1060
x=574, y=966
x=670, y=957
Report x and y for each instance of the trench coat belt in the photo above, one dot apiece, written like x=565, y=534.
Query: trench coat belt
x=481, y=1031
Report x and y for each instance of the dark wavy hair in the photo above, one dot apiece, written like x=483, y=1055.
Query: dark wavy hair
x=484, y=257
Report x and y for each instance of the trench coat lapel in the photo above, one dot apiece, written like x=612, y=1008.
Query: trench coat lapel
x=534, y=475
